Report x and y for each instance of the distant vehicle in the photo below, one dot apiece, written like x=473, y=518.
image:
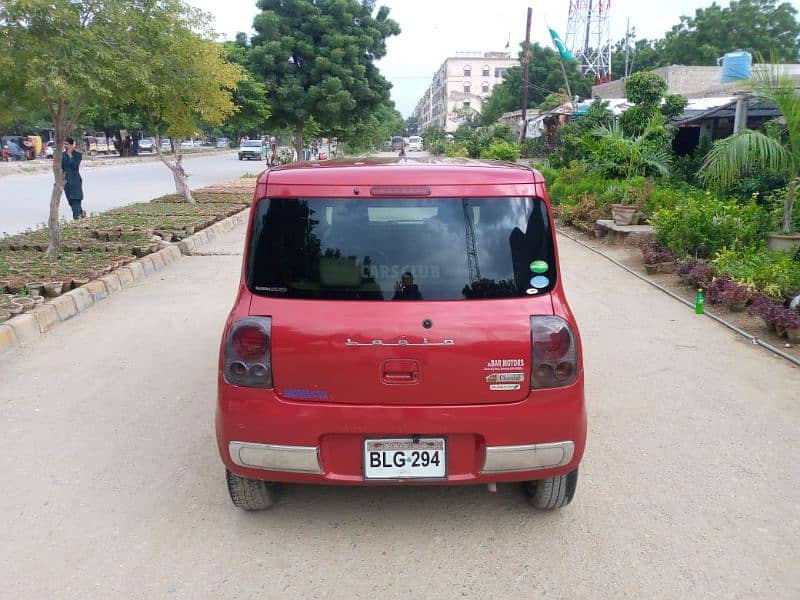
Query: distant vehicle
x=146, y=145
x=50, y=149
x=415, y=143
x=187, y=145
x=223, y=142
x=253, y=149
x=166, y=144
x=397, y=143
x=199, y=143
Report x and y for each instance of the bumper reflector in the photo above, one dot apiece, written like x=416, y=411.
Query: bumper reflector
x=292, y=459
x=508, y=459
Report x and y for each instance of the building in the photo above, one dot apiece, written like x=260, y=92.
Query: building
x=691, y=81
x=462, y=83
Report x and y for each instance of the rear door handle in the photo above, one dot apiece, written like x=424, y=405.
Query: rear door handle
x=400, y=371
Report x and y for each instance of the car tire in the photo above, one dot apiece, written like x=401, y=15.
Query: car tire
x=553, y=492
x=241, y=157
x=249, y=494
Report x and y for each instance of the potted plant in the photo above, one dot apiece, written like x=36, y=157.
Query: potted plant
x=651, y=256
x=734, y=296
x=763, y=308
x=624, y=212
x=791, y=322
x=666, y=260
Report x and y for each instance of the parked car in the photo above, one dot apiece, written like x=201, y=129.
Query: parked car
x=223, y=142
x=187, y=145
x=146, y=145
x=415, y=143
x=166, y=144
x=50, y=149
x=199, y=143
x=401, y=323
x=397, y=143
x=251, y=149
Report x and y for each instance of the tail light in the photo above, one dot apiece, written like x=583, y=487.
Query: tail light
x=554, y=360
x=248, y=357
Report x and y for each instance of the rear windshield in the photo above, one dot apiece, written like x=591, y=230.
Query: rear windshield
x=414, y=140
x=401, y=249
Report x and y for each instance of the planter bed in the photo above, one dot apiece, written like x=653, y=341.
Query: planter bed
x=99, y=244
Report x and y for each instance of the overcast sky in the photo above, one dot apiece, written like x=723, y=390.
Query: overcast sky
x=435, y=29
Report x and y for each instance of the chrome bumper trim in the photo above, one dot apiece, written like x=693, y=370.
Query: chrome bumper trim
x=508, y=459
x=292, y=459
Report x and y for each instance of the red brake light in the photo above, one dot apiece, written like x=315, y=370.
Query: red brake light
x=554, y=360
x=250, y=342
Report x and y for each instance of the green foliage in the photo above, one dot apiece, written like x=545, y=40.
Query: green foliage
x=317, y=59
x=571, y=140
x=501, y=150
x=615, y=154
x=701, y=225
x=685, y=168
x=754, y=25
x=553, y=100
x=249, y=97
x=646, y=88
x=372, y=130
x=674, y=105
x=456, y=150
x=772, y=272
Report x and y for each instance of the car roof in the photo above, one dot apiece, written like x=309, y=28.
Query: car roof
x=401, y=171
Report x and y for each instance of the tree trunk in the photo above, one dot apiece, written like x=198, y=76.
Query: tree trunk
x=788, y=205
x=53, y=224
x=298, y=141
x=179, y=175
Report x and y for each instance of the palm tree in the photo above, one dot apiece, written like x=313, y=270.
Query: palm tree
x=751, y=150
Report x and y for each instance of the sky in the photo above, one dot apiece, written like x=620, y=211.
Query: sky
x=432, y=30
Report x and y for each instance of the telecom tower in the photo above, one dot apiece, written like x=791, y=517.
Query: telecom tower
x=589, y=36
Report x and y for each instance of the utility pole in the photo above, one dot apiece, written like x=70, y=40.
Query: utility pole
x=627, y=45
x=525, y=60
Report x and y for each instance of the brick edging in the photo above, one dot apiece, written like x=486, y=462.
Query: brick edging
x=28, y=327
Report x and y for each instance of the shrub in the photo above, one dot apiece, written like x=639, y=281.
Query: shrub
x=774, y=273
x=703, y=226
x=456, y=150
x=700, y=275
x=501, y=150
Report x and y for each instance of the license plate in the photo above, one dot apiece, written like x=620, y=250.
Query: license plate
x=405, y=458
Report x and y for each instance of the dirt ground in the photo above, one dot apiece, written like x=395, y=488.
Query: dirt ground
x=631, y=256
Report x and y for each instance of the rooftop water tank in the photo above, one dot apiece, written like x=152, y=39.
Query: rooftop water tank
x=736, y=66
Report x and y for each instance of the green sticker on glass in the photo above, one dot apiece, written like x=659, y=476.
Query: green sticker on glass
x=539, y=266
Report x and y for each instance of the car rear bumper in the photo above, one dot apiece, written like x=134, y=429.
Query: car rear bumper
x=261, y=436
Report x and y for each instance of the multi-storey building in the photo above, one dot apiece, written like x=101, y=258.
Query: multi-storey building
x=462, y=82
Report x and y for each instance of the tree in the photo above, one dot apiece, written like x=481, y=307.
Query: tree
x=67, y=55
x=411, y=125
x=758, y=26
x=373, y=130
x=317, y=58
x=189, y=81
x=646, y=90
x=250, y=96
x=750, y=151
x=619, y=155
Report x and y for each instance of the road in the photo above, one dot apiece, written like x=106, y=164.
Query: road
x=113, y=487
x=25, y=199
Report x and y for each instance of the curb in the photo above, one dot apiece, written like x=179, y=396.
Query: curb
x=28, y=328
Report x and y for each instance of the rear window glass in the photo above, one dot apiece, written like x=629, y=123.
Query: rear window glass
x=401, y=249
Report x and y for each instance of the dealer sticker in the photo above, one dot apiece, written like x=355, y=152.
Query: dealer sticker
x=505, y=378
x=498, y=387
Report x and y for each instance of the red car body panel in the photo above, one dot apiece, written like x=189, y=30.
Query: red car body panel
x=309, y=350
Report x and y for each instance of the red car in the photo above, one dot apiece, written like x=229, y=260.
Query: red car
x=401, y=322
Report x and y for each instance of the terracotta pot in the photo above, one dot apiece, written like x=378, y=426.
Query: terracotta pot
x=35, y=287
x=737, y=306
x=4, y=283
x=783, y=242
x=92, y=274
x=651, y=269
x=38, y=300
x=53, y=288
x=67, y=281
x=13, y=307
x=793, y=333
x=622, y=213
x=79, y=281
x=667, y=267
x=189, y=229
x=25, y=302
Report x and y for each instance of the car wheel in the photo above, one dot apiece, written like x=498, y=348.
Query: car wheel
x=240, y=157
x=553, y=492
x=249, y=494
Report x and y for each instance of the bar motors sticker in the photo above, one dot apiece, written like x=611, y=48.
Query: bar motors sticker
x=505, y=378
x=502, y=387
x=505, y=364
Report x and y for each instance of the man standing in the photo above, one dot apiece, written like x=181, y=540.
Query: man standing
x=73, y=186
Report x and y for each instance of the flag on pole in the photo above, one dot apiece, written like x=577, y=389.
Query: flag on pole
x=562, y=49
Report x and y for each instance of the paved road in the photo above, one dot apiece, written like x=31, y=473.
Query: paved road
x=112, y=487
x=25, y=199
